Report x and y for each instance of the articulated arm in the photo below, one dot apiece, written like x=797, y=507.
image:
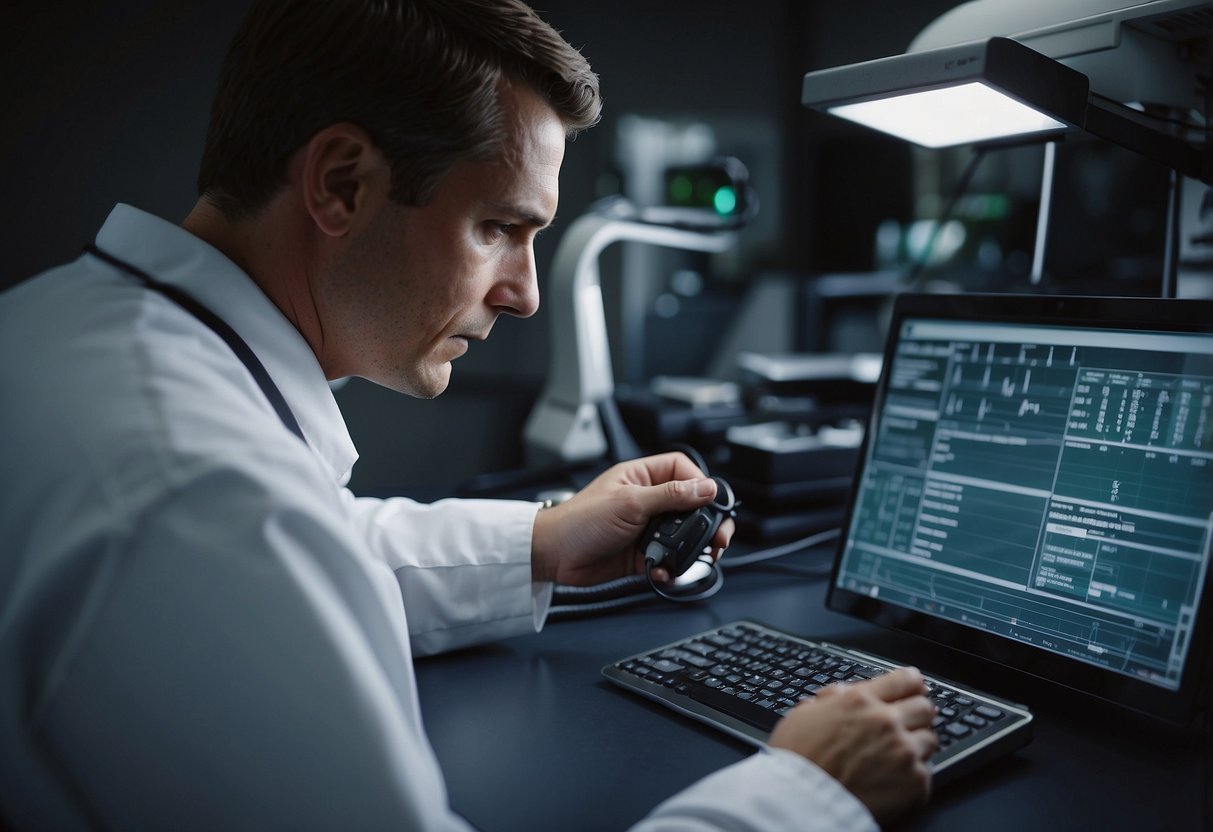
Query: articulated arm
x=567, y=423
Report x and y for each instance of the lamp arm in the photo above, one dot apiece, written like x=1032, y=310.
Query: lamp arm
x=1126, y=127
x=566, y=423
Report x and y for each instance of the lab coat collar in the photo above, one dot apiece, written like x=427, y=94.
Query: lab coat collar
x=172, y=255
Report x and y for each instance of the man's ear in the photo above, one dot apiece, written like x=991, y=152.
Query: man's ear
x=342, y=174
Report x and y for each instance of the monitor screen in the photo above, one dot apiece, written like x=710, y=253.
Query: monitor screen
x=1039, y=472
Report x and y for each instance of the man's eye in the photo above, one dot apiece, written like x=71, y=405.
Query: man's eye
x=497, y=230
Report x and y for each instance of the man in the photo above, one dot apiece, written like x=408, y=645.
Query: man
x=201, y=627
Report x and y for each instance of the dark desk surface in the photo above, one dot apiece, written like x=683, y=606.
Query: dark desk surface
x=532, y=738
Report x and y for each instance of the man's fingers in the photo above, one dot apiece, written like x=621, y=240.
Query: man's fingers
x=916, y=711
x=674, y=496
x=723, y=536
x=925, y=742
x=660, y=575
x=672, y=465
x=898, y=684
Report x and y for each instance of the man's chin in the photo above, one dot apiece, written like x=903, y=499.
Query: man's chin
x=418, y=385
x=431, y=386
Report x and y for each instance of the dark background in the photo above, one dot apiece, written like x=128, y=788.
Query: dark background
x=108, y=102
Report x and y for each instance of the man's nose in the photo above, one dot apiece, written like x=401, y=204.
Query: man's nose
x=517, y=290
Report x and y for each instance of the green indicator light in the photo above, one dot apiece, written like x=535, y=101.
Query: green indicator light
x=998, y=208
x=681, y=188
x=725, y=200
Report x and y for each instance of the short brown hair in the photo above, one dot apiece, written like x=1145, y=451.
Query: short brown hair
x=422, y=77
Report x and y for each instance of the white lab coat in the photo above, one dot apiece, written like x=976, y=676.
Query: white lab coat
x=200, y=626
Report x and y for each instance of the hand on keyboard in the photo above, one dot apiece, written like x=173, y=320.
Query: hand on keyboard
x=874, y=737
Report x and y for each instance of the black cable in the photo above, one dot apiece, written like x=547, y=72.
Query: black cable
x=583, y=610
x=692, y=453
x=608, y=591
x=728, y=561
x=580, y=601
x=961, y=187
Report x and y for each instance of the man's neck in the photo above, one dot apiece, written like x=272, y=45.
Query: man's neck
x=262, y=248
x=208, y=224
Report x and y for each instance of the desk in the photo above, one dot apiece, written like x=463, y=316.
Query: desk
x=533, y=739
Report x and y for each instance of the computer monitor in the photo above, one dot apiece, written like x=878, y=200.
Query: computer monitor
x=1036, y=487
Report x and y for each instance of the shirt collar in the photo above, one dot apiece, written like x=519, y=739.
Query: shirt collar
x=172, y=255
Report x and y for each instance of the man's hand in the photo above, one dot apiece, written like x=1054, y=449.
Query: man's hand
x=592, y=537
x=874, y=737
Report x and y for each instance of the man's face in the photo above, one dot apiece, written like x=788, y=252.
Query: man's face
x=419, y=283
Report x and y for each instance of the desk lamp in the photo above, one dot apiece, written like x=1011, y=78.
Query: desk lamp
x=1101, y=66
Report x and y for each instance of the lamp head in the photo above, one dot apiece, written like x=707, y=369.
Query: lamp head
x=975, y=92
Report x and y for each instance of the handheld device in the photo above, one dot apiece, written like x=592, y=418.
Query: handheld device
x=674, y=541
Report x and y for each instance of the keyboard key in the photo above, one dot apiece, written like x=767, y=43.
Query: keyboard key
x=665, y=666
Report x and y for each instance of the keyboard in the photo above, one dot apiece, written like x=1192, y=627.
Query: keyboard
x=741, y=678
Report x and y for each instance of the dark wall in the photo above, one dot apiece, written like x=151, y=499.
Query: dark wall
x=108, y=103
x=103, y=103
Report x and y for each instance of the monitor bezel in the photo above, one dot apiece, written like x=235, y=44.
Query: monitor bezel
x=1154, y=314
